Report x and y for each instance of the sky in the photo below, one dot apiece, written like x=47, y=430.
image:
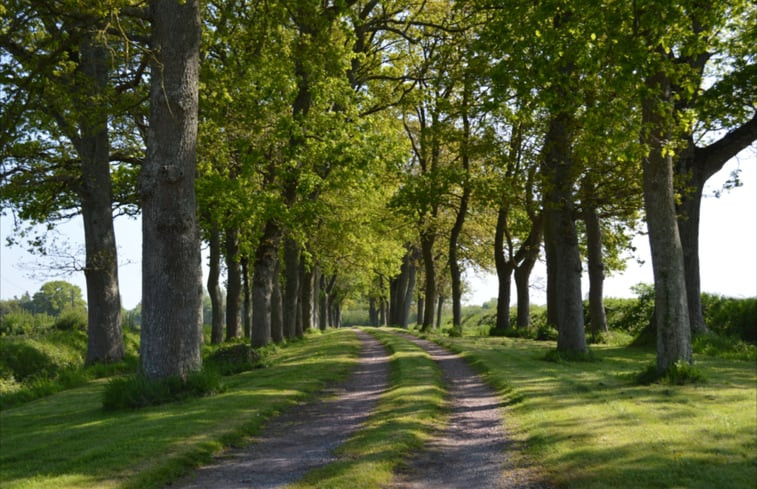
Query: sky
x=728, y=251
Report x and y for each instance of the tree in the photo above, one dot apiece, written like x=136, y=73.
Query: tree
x=171, y=332
x=57, y=296
x=66, y=104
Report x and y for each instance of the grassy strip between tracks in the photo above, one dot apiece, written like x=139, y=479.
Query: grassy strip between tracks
x=589, y=425
x=404, y=419
x=66, y=440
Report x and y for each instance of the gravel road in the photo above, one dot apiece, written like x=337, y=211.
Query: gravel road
x=303, y=438
x=473, y=449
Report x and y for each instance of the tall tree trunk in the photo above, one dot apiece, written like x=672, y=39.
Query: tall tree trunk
x=214, y=289
x=694, y=168
x=171, y=270
x=323, y=305
x=373, y=312
x=561, y=238
x=427, y=251
x=407, y=300
x=306, y=298
x=596, y=271
x=291, y=287
x=523, y=270
x=263, y=275
x=421, y=302
x=439, y=307
x=104, y=334
x=671, y=307
x=277, y=306
x=247, y=296
x=233, y=286
x=504, y=266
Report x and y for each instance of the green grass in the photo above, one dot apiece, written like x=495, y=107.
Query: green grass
x=67, y=440
x=589, y=425
x=403, y=421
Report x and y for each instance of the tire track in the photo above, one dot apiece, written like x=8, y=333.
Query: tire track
x=305, y=437
x=472, y=450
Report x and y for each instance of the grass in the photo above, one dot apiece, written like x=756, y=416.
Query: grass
x=404, y=419
x=589, y=425
x=67, y=440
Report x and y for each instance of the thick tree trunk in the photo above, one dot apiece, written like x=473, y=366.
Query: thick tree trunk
x=688, y=229
x=561, y=238
x=407, y=301
x=598, y=320
x=291, y=287
x=263, y=275
x=504, y=266
x=171, y=270
x=427, y=251
x=214, y=289
x=277, y=306
x=671, y=307
x=233, y=286
x=104, y=334
x=247, y=296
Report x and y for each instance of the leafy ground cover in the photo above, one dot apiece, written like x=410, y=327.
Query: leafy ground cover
x=404, y=419
x=67, y=440
x=589, y=425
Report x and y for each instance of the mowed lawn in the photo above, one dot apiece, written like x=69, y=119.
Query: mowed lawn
x=589, y=426
x=67, y=441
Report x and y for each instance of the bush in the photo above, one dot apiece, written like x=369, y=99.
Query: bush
x=233, y=359
x=732, y=317
x=137, y=391
x=731, y=348
x=71, y=320
x=22, y=322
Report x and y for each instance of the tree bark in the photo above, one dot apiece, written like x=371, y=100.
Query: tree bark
x=671, y=307
x=247, y=296
x=421, y=303
x=263, y=275
x=427, y=251
x=323, y=305
x=598, y=320
x=504, y=266
x=694, y=167
x=439, y=306
x=291, y=287
x=233, y=286
x=171, y=270
x=561, y=238
x=524, y=268
x=277, y=309
x=306, y=299
x=104, y=334
x=214, y=289
x=373, y=312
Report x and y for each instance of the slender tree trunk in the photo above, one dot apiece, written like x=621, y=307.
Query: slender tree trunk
x=247, y=295
x=306, y=299
x=315, y=295
x=373, y=312
x=104, y=334
x=171, y=270
x=439, y=307
x=525, y=267
x=596, y=271
x=323, y=305
x=504, y=267
x=277, y=306
x=427, y=251
x=407, y=300
x=671, y=307
x=214, y=289
x=233, y=286
x=291, y=287
x=561, y=238
x=263, y=275
x=421, y=302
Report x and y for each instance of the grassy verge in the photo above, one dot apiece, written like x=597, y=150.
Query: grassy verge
x=68, y=441
x=590, y=426
x=403, y=421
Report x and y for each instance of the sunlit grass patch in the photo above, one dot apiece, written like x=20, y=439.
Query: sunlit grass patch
x=68, y=441
x=589, y=425
x=403, y=421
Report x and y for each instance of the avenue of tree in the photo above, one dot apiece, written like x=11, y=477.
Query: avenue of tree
x=375, y=148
